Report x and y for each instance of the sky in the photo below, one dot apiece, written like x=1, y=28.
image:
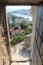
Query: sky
x=14, y=8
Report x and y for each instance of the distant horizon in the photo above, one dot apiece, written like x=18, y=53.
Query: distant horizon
x=15, y=8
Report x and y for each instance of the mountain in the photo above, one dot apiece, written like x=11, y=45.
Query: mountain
x=23, y=11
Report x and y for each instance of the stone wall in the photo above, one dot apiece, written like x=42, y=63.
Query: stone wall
x=37, y=53
x=27, y=40
x=19, y=1
x=4, y=58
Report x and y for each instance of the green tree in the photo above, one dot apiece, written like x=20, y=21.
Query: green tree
x=23, y=25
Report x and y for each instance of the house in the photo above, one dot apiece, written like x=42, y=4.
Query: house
x=19, y=20
x=16, y=31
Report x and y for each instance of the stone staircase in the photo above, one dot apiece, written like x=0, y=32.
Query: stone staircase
x=4, y=58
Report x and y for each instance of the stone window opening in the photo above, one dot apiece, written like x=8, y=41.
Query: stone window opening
x=32, y=40
x=37, y=37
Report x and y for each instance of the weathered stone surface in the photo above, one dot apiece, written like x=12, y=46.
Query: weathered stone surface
x=38, y=42
x=4, y=58
x=20, y=1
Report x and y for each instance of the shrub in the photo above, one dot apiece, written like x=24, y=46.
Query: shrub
x=20, y=38
x=17, y=39
x=23, y=25
x=27, y=31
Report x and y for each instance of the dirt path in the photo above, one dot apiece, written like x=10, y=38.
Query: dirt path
x=18, y=54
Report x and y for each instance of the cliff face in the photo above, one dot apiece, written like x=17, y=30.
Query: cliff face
x=4, y=58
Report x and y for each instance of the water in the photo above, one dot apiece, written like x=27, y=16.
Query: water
x=24, y=16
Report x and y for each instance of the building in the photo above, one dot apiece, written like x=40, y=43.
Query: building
x=19, y=20
x=14, y=32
